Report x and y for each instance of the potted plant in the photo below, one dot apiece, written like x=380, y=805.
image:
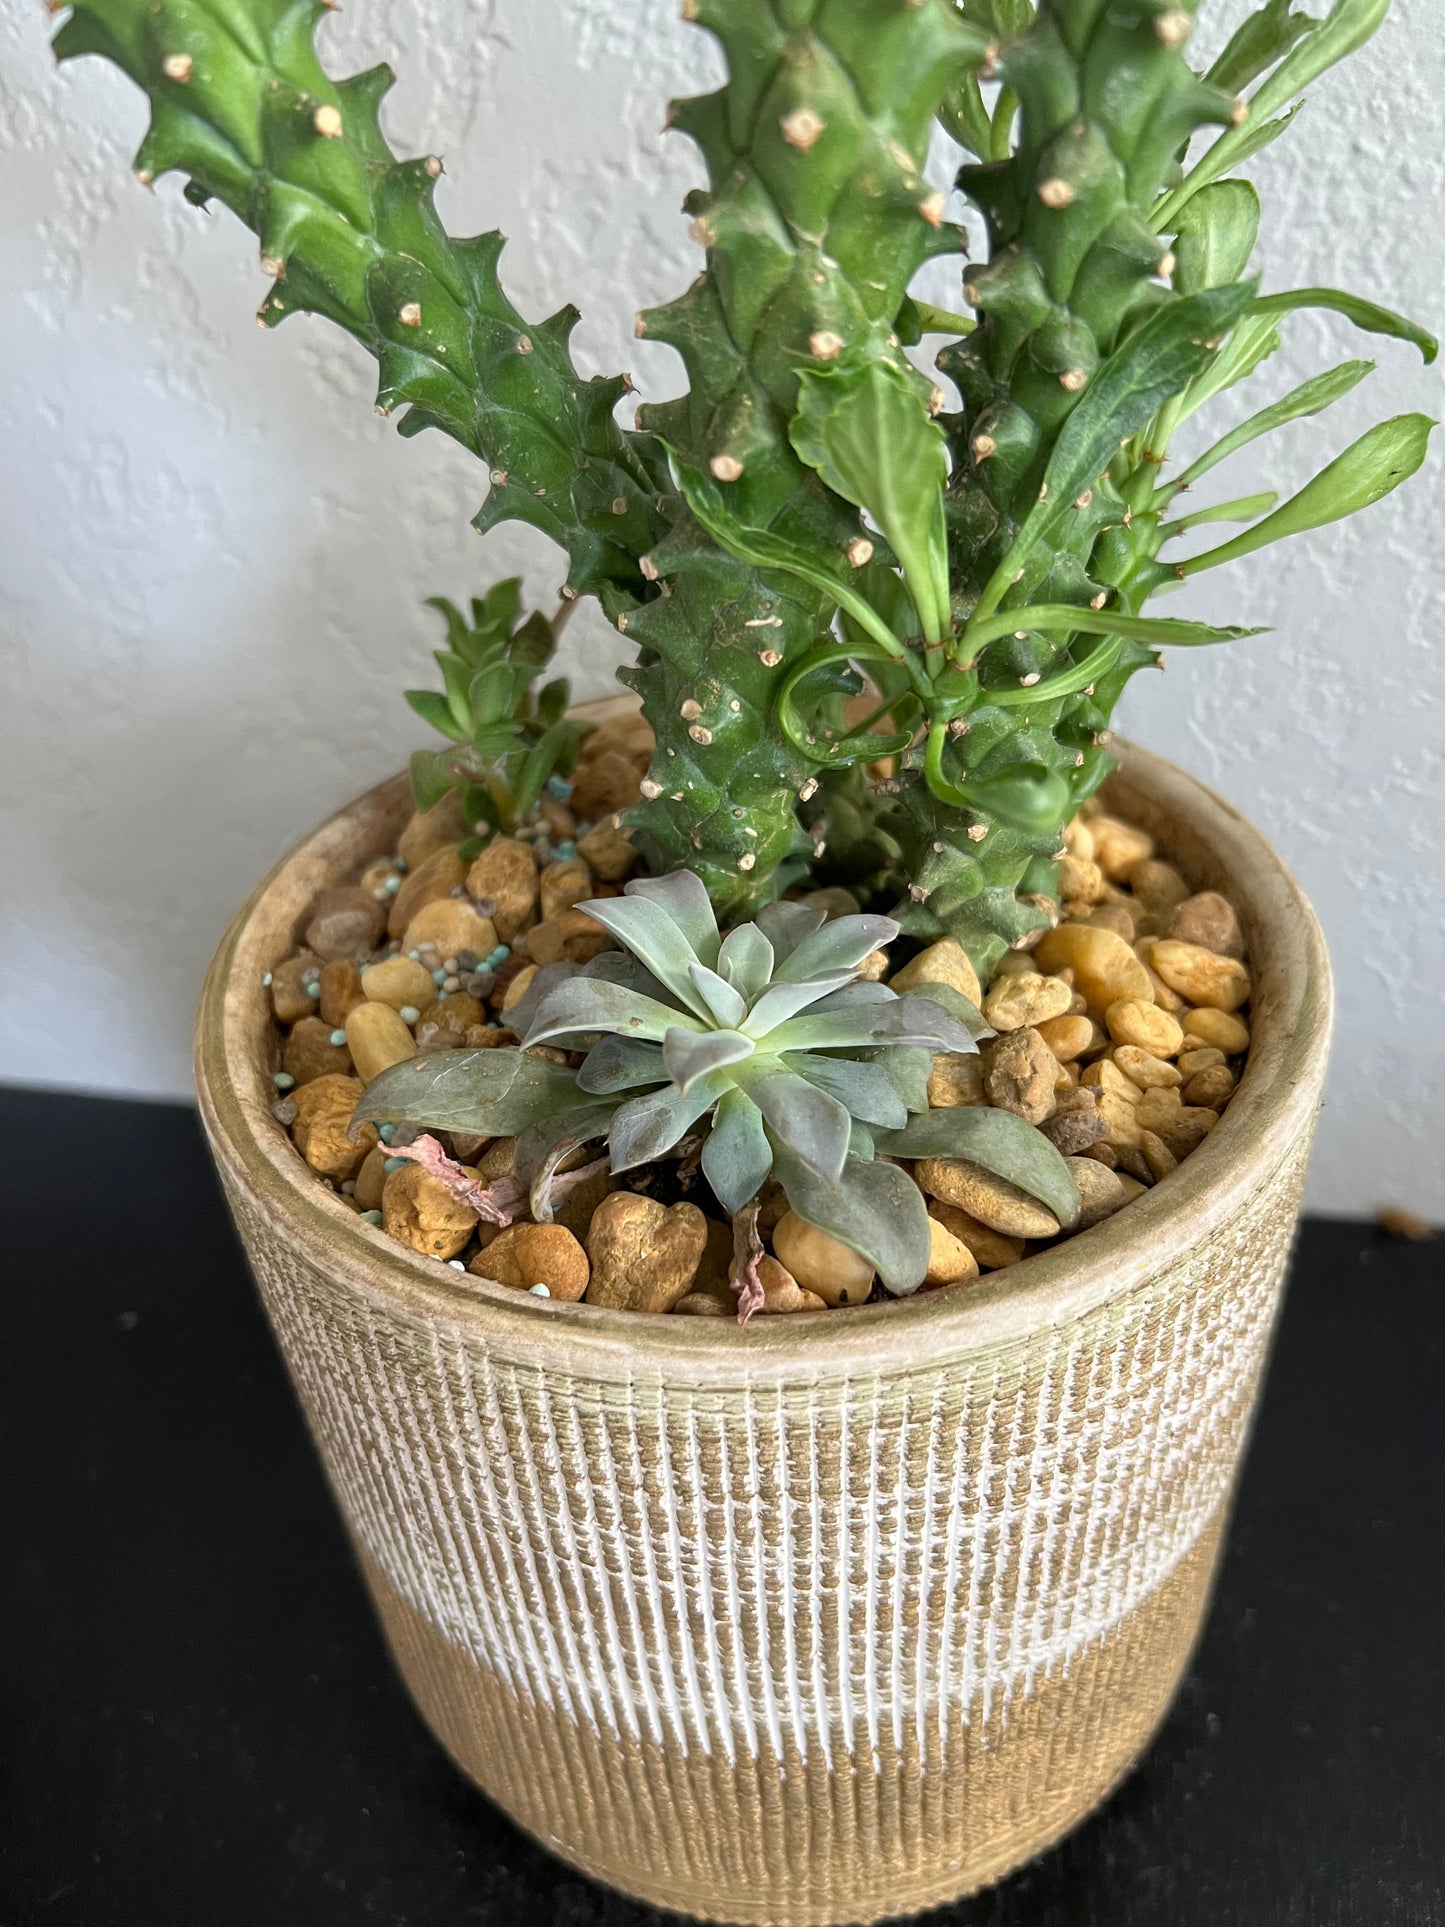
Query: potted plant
x=948, y=1092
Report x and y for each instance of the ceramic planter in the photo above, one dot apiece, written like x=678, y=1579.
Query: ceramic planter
x=839, y=1616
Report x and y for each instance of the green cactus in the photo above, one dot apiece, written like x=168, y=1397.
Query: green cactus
x=241, y=105
x=807, y=515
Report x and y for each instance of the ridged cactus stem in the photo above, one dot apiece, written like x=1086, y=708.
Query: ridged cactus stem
x=814, y=221
x=241, y=104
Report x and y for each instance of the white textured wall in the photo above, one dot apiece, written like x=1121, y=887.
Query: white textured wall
x=214, y=551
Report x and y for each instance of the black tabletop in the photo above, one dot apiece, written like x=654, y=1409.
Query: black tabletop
x=198, y=1723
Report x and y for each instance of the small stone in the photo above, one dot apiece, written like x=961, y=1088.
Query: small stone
x=563, y=885
x=437, y=876
x=1115, y=917
x=449, y=925
x=1022, y=1074
x=524, y=1255
x=782, y=1292
x=344, y=923
x=1144, y=1069
x=992, y=1250
x=561, y=823
x=571, y=936
x=1211, y=1088
x=606, y=783
x=834, y=901
x=1068, y=1037
x=1103, y=1153
x=1166, y=998
x=290, y=997
x=1105, y=968
x=1110, y=1079
x=432, y=830
x=1101, y=1191
x=1184, y=1134
x=1118, y=846
x=643, y=1254
x=455, y=1014
x=398, y=982
x=422, y=1214
x=993, y=1201
x=1131, y=1021
x=950, y=1262
x=1071, y=1132
x=519, y=985
x=702, y=1304
x=1157, y=1156
x=323, y=1114
x=608, y=851
x=1203, y=976
x=1121, y=1121
x=574, y=1208
x=944, y=962
x=1202, y=1058
x=1208, y=920
x=1220, y=1028
x=1079, y=839
x=957, y=1078
x=820, y=1263
x=1157, y=1106
x=1026, y=999
x=505, y=875
x=1081, y=880
x=371, y=1180
x=309, y=1052
x=1157, y=885
x=341, y=991
x=377, y=1038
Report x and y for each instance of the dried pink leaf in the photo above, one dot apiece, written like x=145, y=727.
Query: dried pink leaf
x=748, y=1253
x=498, y=1202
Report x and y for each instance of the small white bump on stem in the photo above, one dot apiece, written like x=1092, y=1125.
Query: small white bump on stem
x=809, y=790
x=802, y=128
x=178, y=67
x=409, y=315
x=727, y=468
x=976, y=832
x=524, y=344
x=689, y=709
x=825, y=344
x=770, y=658
x=327, y=121
x=1073, y=379
x=931, y=207
x=859, y=551
x=1056, y=193
x=700, y=735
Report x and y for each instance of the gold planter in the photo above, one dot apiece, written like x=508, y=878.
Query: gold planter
x=836, y=1617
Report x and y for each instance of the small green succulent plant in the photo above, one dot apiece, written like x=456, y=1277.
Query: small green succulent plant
x=508, y=736
x=766, y=1042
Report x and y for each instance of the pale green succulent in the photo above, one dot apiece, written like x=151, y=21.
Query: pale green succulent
x=765, y=1046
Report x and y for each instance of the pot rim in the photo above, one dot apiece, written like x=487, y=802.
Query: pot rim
x=1274, y=1105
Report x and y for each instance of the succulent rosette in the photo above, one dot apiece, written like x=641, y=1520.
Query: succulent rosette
x=765, y=1049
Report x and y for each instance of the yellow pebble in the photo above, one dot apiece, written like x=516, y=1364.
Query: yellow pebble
x=821, y=1264
x=377, y=1039
x=1203, y=976
x=1221, y=1028
x=1152, y=1029
x=944, y=962
x=398, y=982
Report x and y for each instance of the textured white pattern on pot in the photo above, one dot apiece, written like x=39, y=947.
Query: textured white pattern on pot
x=772, y=1569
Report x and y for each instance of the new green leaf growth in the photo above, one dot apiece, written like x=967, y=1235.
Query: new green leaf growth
x=508, y=736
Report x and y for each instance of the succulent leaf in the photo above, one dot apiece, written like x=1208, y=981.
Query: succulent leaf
x=997, y=1140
